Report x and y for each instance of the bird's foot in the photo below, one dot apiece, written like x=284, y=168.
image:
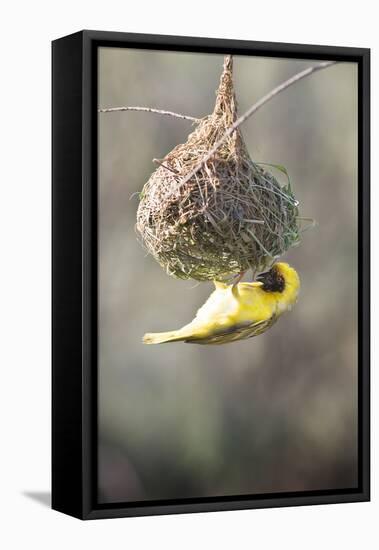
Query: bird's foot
x=238, y=278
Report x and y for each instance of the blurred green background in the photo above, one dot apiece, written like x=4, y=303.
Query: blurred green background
x=271, y=414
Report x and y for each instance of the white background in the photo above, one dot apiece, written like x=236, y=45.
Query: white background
x=27, y=29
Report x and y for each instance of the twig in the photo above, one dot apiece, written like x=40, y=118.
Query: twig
x=149, y=110
x=254, y=109
x=157, y=161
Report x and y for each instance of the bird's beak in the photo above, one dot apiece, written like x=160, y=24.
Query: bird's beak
x=262, y=276
x=257, y=284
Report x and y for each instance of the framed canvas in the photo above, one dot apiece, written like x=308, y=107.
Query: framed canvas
x=230, y=176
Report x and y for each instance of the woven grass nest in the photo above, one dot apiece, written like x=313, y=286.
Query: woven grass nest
x=230, y=216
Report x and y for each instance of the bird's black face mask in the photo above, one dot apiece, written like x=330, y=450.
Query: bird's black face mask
x=273, y=280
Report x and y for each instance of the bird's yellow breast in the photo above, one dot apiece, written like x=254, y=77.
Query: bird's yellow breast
x=224, y=308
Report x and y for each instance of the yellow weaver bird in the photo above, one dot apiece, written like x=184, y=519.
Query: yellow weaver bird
x=239, y=311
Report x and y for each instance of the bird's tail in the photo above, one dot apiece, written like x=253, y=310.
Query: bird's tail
x=162, y=337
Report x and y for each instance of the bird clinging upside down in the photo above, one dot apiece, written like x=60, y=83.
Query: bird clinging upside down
x=239, y=311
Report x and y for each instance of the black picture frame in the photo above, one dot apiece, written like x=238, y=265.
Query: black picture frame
x=74, y=272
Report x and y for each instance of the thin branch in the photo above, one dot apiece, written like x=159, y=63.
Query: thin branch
x=254, y=109
x=157, y=161
x=149, y=110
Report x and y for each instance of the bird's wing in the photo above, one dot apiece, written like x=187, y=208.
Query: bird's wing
x=239, y=331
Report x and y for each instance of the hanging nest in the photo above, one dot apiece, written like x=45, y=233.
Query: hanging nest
x=230, y=216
